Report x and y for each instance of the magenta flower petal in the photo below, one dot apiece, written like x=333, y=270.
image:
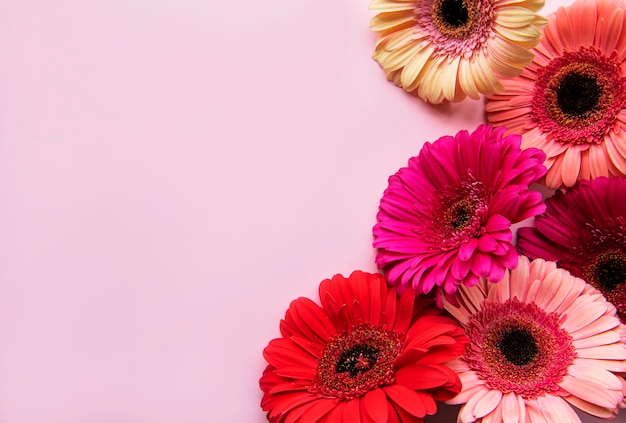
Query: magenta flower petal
x=467, y=249
x=498, y=223
x=445, y=219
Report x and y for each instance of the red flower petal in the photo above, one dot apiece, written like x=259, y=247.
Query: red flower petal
x=404, y=311
x=419, y=377
x=309, y=319
x=409, y=400
x=375, y=404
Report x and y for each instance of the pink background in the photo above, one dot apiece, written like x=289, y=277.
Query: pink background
x=172, y=175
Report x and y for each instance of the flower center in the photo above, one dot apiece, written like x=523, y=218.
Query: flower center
x=578, y=95
x=451, y=13
x=518, y=347
x=611, y=270
x=356, y=361
x=456, y=27
x=459, y=212
x=454, y=18
x=607, y=272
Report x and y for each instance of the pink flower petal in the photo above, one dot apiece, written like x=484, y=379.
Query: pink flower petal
x=510, y=408
x=487, y=403
x=591, y=392
x=591, y=408
x=593, y=374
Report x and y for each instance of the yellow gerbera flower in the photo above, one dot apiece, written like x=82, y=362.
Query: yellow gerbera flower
x=449, y=49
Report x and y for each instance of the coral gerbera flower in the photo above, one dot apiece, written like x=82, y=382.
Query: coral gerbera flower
x=540, y=341
x=364, y=355
x=450, y=49
x=584, y=231
x=570, y=101
x=445, y=220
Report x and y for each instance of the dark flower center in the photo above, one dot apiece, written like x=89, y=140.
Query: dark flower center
x=459, y=19
x=454, y=13
x=456, y=27
x=358, y=359
x=608, y=271
x=518, y=346
x=600, y=256
x=460, y=213
x=578, y=94
x=611, y=273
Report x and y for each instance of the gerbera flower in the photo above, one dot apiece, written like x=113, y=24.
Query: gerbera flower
x=365, y=355
x=570, y=100
x=584, y=231
x=445, y=220
x=540, y=341
x=450, y=49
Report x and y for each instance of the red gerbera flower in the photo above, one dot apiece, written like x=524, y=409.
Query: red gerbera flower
x=584, y=231
x=365, y=355
x=445, y=220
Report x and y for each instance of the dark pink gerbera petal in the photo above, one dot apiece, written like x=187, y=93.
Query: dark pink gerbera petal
x=445, y=220
x=584, y=231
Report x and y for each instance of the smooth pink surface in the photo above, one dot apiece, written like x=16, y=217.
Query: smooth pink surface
x=172, y=175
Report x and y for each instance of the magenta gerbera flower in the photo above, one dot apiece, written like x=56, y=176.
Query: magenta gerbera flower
x=541, y=341
x=445, y=220
x=584, y=231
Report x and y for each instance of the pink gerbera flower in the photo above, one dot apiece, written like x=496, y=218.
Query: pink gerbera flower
x=541, y=340
x=445, y=220
x=570, y=101
x=584, y=231
x=365, y=355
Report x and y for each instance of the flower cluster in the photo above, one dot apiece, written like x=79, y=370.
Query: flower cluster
x=514, y=325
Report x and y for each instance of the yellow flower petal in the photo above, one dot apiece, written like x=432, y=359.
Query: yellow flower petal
x=385, y=21
x=391, y=6
x=414, y=66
